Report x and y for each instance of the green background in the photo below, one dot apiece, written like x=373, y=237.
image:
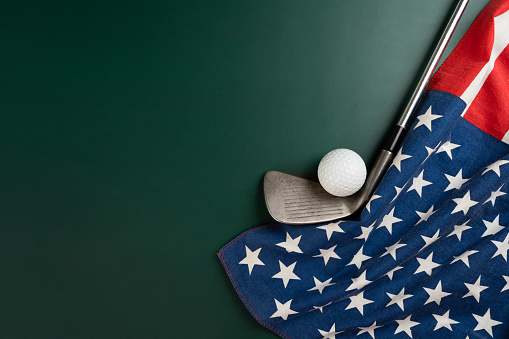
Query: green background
x=135, y=135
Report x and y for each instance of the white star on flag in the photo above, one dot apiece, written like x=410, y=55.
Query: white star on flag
x=506, y=287
x=492, y=227
x=398, y=299
x=485, y=322
x=426, y=119
x=283, y=310
x=430, y=151
x=435, y=295
x=406, y=325
x=370, y=330
x=399, y=158
x=327, y=254
x=392, y=249
x=425, y=215
x=359, y=282
x=426, y=265
x=464, y=257
x=502, y=247
x=331, y=334
x=291, y=245
x=428, y=241
x=359, y=258
x=459, y=229
x=374, y=197
x=321, y=307
x=398, y=191
x=495, y=195
x=455, y=182
x=447, y=147
x=286, y=274
x=390, y=274
x=365, y=231
x=418, y=183
x=251, y=259
x=319, y=285
x=331, y=228
x=474, y=290
x=444, y=321
x=463, y=204
x=495, y=167
x=358, y=301
x=389, y=220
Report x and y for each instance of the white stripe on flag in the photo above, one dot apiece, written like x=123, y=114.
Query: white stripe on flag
x=506, y=138
x=501, y=40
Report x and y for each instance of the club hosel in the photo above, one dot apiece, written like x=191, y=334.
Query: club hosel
x=382, y=164
x=394, y=140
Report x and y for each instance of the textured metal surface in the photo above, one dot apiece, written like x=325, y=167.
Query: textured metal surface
x=296, y=201
x=302, y=198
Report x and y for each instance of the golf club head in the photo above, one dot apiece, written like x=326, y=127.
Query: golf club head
x=297, y=201
x=293, y=200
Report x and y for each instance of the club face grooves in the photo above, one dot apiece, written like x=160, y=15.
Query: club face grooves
x=294, y=200
x=297, y=201
x=301, y=200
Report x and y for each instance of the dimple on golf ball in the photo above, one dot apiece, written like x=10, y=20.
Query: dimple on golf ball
x=342, y=172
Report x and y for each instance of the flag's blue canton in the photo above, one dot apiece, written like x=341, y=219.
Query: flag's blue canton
x=428, y=257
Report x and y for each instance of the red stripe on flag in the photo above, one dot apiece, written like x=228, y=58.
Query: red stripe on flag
x=490, y=109
x=467, y=59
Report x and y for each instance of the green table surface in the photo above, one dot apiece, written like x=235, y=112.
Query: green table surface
x=135, y=136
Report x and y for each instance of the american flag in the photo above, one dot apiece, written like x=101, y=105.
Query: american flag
x=429, y=255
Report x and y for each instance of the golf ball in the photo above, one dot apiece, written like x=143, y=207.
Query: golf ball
x=342, y=172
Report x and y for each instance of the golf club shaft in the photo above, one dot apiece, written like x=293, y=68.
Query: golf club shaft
x=398, y=133
x=297, y=201
x=394, y=141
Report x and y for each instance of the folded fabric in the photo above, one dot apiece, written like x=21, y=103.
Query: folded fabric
x=429, y=253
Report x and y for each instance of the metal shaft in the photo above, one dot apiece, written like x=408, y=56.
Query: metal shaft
x=432, y=64
x=298, y=201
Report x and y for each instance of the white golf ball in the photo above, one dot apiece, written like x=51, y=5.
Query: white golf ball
x=342, y=172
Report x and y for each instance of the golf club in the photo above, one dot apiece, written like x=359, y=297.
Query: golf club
x=298, y=201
